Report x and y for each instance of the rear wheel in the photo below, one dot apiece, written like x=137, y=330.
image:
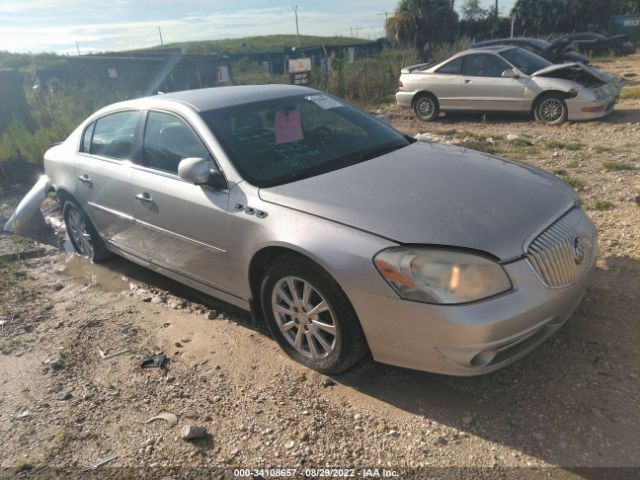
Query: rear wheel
x=551, y=109
x=426, y=107
x=310, y=316
x=82, y=233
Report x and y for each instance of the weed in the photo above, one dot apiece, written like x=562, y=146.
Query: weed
x=561, y=172
x=574, y=182
x=601, y=149
x=520, y=142
x=630, y=93
x=602, y=205
x=618, y=166
x=556, y=145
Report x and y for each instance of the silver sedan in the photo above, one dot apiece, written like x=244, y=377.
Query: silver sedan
x=343, y=234
x=507, y=79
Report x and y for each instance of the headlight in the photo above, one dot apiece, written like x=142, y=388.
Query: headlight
x=597, y=93
x=433, y=275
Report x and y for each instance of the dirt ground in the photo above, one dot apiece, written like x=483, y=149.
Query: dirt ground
x=568, y=410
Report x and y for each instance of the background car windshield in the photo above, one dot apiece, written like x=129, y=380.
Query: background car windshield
x=525, y=61
x=282, y=140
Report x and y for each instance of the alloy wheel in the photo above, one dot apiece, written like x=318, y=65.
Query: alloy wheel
x=425, y=107
x=79, y=234
x=304, y=318
x=551, y=110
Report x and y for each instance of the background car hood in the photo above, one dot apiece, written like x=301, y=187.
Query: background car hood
x=430, y=193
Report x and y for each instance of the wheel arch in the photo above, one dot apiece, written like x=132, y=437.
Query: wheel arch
x=561, y=93
x=266, y=256
x=422, y=93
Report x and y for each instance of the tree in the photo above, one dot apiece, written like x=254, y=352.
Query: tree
x=419, y=24
x=472, y=11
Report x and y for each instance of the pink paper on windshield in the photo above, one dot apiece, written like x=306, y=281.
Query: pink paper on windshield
x=288, y=126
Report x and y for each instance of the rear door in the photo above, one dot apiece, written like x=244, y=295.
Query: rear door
x=103, y=176
x=484, y=89
x=184, y=227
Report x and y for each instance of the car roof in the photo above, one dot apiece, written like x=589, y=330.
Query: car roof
x=514, y=41
x=488, y=48
x=205, y=99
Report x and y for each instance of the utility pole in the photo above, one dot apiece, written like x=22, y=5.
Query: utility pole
x=295, y=11
x=160, y=33
x=78, y=47
x=386, y=19
x=357, y=30
x=497, y=9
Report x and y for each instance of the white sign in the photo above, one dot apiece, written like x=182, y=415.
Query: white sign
x=223, y=74
x=300, y=65
x=113, y=73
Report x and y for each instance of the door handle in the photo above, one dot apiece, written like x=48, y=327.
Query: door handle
x=467, y=81
x=144, y=197
x=86, y=179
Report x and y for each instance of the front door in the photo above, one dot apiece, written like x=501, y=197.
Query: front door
x=183, y=226
x=484, y=89
x=103, y=177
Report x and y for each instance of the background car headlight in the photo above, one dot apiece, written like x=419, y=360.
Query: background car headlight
x=441, y=276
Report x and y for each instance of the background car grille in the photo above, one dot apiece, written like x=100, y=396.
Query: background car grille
x=563, y=253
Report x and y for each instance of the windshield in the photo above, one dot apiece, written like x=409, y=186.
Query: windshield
x=525, y=61
x=286, y=139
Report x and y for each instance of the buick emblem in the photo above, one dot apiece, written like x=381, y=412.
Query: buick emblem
x=578, y=251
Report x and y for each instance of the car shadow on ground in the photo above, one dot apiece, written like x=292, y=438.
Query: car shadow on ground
x=571, y=402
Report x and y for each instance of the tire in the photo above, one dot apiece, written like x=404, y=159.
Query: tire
x=551, y=109
x=426, y=107
x=83, y=235
x=334, y=352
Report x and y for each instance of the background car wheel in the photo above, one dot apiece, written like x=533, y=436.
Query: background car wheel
x=426, y=107
x=310, y=317
x=82, y=233
x=551, y=109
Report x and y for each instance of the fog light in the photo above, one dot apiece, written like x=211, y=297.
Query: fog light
x=484, y=358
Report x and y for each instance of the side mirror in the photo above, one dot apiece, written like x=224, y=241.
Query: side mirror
x=200, y=171
x=511, y=73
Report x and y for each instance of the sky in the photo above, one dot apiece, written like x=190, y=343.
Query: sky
x=56, y=25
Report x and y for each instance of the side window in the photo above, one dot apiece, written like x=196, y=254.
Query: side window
x=113, y=135
x=85, y=146
x=484, y=66
x=168, y=140
x=454, y=67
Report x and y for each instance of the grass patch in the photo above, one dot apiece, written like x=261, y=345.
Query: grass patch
x=601, y=149
x=520, y=142
x=448, y=133
x=630, y=93
x=602, y=205
x=556, y=145
x=574, y=182
x=480, y=145
x=11, y=346
x=561, y=172
x=618, y=166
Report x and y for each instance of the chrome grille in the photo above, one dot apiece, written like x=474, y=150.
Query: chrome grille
x=564, y=252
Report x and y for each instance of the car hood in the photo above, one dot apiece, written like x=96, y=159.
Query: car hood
x=604, y=77
x=428, y=193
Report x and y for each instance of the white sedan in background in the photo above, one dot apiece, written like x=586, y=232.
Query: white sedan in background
x=508, y=79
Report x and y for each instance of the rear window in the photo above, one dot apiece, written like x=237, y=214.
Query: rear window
x=454, y=67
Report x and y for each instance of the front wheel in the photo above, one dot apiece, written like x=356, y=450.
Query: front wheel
x=551, y=109
x=82, y=234
x=310, y=317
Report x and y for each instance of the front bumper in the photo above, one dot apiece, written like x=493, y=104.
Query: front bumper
x=470, y=339
x=579, y=109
